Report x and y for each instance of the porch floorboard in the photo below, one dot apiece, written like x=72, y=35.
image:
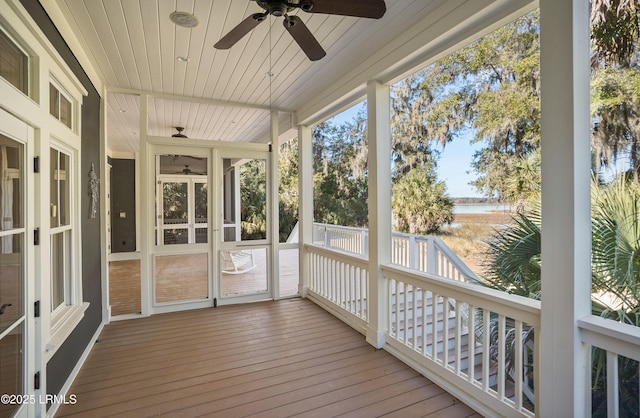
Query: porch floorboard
x=268, y=359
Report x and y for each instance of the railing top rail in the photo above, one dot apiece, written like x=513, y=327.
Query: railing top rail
x=342, y=227
x=623, y=339
x=464, y=269
x=437, y=242
x=351, y=258
x=517, y=307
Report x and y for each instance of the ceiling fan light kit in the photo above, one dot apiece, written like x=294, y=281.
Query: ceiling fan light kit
x=372, y=9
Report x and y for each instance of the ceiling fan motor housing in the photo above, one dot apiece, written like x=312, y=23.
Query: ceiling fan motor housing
x=276, y=7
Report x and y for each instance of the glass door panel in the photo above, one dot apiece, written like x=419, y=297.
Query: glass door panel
x=182, y=211
x=244, y=197
x=201, y=216
x=180, y=264
x=13, y=319
x=244, y=254
x=181, y=277
x=175, y=206
x=244, y=272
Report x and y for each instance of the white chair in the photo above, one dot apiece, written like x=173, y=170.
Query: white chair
x=237, y=262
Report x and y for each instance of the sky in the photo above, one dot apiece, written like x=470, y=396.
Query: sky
x=453, y=165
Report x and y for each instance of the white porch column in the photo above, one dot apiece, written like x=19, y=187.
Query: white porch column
x=305, y=204
x=147, y=182
x=566, y=224
x=275, y=206
x=379, y=167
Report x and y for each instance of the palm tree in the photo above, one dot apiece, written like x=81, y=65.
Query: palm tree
x=513, y=265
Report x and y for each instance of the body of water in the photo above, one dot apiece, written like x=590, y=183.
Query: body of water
x=481, y=208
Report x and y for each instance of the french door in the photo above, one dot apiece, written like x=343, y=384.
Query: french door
x=212, y=228
x=17, y=336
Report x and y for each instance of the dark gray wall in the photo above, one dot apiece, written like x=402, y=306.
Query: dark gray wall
x=65, y=359
x=123, y=200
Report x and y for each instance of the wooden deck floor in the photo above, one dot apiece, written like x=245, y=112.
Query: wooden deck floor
x=270, y=359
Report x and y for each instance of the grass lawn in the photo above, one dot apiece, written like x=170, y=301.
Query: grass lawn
x=468, y=234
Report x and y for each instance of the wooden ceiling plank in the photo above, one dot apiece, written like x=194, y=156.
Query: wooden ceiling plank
x=135, y=28
x=151, y=30
x=78, y=16
x=123, y=41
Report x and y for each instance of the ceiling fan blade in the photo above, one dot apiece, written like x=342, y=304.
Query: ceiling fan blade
x=237, y=33
x=373, y=9
x=303, y=36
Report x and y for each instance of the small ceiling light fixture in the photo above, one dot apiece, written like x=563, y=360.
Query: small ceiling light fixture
x=184, y=19
x=183, y=59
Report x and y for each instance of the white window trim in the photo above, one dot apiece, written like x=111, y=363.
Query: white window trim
x=64, y=319
x=74, y=105
x=30, y=64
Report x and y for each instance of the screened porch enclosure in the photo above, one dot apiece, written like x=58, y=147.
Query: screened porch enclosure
x=200, y=304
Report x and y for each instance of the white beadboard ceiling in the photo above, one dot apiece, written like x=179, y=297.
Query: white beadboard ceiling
x=133, y=48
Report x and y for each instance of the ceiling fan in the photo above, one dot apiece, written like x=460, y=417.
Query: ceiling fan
x=187, y=171
x=373, y=9
x=179, y=134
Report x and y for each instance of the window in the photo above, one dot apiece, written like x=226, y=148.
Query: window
x=61, y=229
x=60, y=106
x=14, y=64
x=67, y=308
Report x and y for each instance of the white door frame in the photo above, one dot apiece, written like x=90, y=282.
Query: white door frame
x=20, y=132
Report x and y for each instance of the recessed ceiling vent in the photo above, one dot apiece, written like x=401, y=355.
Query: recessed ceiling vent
x=184, y=19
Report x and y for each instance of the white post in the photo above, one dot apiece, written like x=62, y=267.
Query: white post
x=147, y=208
x=275, y=207
x=305, y=204
x=566, y=225
x=379, y=163
x=413, y=253
x=432, y=256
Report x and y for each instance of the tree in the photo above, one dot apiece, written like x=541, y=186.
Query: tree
x=411, y=126
x=615, y=30
x=615, y=82
x=253, y=200
x=419, y=203
x=340, y=173
x=288, y=188
x=490, y=88
x=513, y=265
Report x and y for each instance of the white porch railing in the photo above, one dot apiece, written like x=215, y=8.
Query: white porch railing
x=617, y=340
x=344, y=238
x=423, y=253
x=463, y=336
x=342, y=280
x=428, y=317
x=479, y=359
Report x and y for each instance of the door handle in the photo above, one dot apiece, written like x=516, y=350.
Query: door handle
x=3, y=307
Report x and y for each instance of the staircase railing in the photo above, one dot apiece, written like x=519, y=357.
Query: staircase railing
x=423, y=253
x=462, y=335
